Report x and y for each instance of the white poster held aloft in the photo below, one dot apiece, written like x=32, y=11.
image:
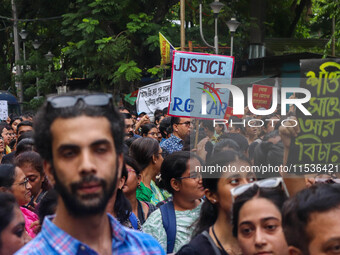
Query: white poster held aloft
x=153, y=96
x=3, y=109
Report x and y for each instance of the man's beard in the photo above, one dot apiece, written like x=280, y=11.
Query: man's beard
x=88, y=204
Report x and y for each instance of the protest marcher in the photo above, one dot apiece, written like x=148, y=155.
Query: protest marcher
x=129, y=126
x=7, y=134
x=234, y=125
x=141, y=209
x=27, y=116
x=13, y=180
x=210, y=138
x=273, y=137
x=2, y=148
x=250, y=132
x=219, y=130
x=294, y=183
x=80, y=138
x=226, y=144
x=149, y=130
x=171, y=224
x=239, y=139
x=311, y=220
x=31, y=164
x=213, y=230
x=257, y=219
x=15, y=122
x=119, y=206
x=23, y=127
x=148, y=154
x=24, y=143
x=180, y=129
x=269, y=123
x=141, y=120
x=12, y=225
x=269, y=154
x=165, y=129
x=158, y=118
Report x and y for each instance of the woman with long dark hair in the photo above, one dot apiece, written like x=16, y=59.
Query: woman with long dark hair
x=213, y=232
x=12, y=225
x=141, y=209
x=147, y=152
x=257, y=221
x=187, y=190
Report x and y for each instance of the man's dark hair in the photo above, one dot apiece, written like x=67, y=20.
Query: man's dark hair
x=158, y=112
x=126, y=115
x=47, y=115
x=225, y=144
x=239, y=139
x=296, y=212
x=208, y=124
x=271, y=134
x=24, y=123
x=14, y=119
x=28, y=134
x=165, y=111
x=27, y=115
x=5, y=125
x=175, y=120
x=235, y=119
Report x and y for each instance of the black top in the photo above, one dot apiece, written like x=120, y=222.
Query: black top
x=198, y=246
x=141, y=212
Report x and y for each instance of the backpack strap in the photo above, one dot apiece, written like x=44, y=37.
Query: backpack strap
x=133, y=220
x=212, y=243
x=169, y=224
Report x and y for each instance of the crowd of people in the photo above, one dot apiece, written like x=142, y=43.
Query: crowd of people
x=84, y=177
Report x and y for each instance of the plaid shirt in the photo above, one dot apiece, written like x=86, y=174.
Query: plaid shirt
x=53, y=240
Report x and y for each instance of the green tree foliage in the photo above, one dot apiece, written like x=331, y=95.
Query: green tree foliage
x=116, y=44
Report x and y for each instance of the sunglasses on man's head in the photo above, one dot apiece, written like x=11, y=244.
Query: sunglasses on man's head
x=265, y=183
x=326, y=178
x=100, y=99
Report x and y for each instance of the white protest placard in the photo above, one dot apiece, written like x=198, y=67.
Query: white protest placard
x=3, y=109
x=153, y=96
x=195, y=85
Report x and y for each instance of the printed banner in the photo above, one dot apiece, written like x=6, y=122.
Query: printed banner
x=153, y=96
x=3, y=109
x=229, y=113
x=262, y=96
x=318, y=143
x=166, y=49
x=195, y=85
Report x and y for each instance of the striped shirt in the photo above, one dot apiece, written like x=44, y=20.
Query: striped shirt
x=53, y=240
